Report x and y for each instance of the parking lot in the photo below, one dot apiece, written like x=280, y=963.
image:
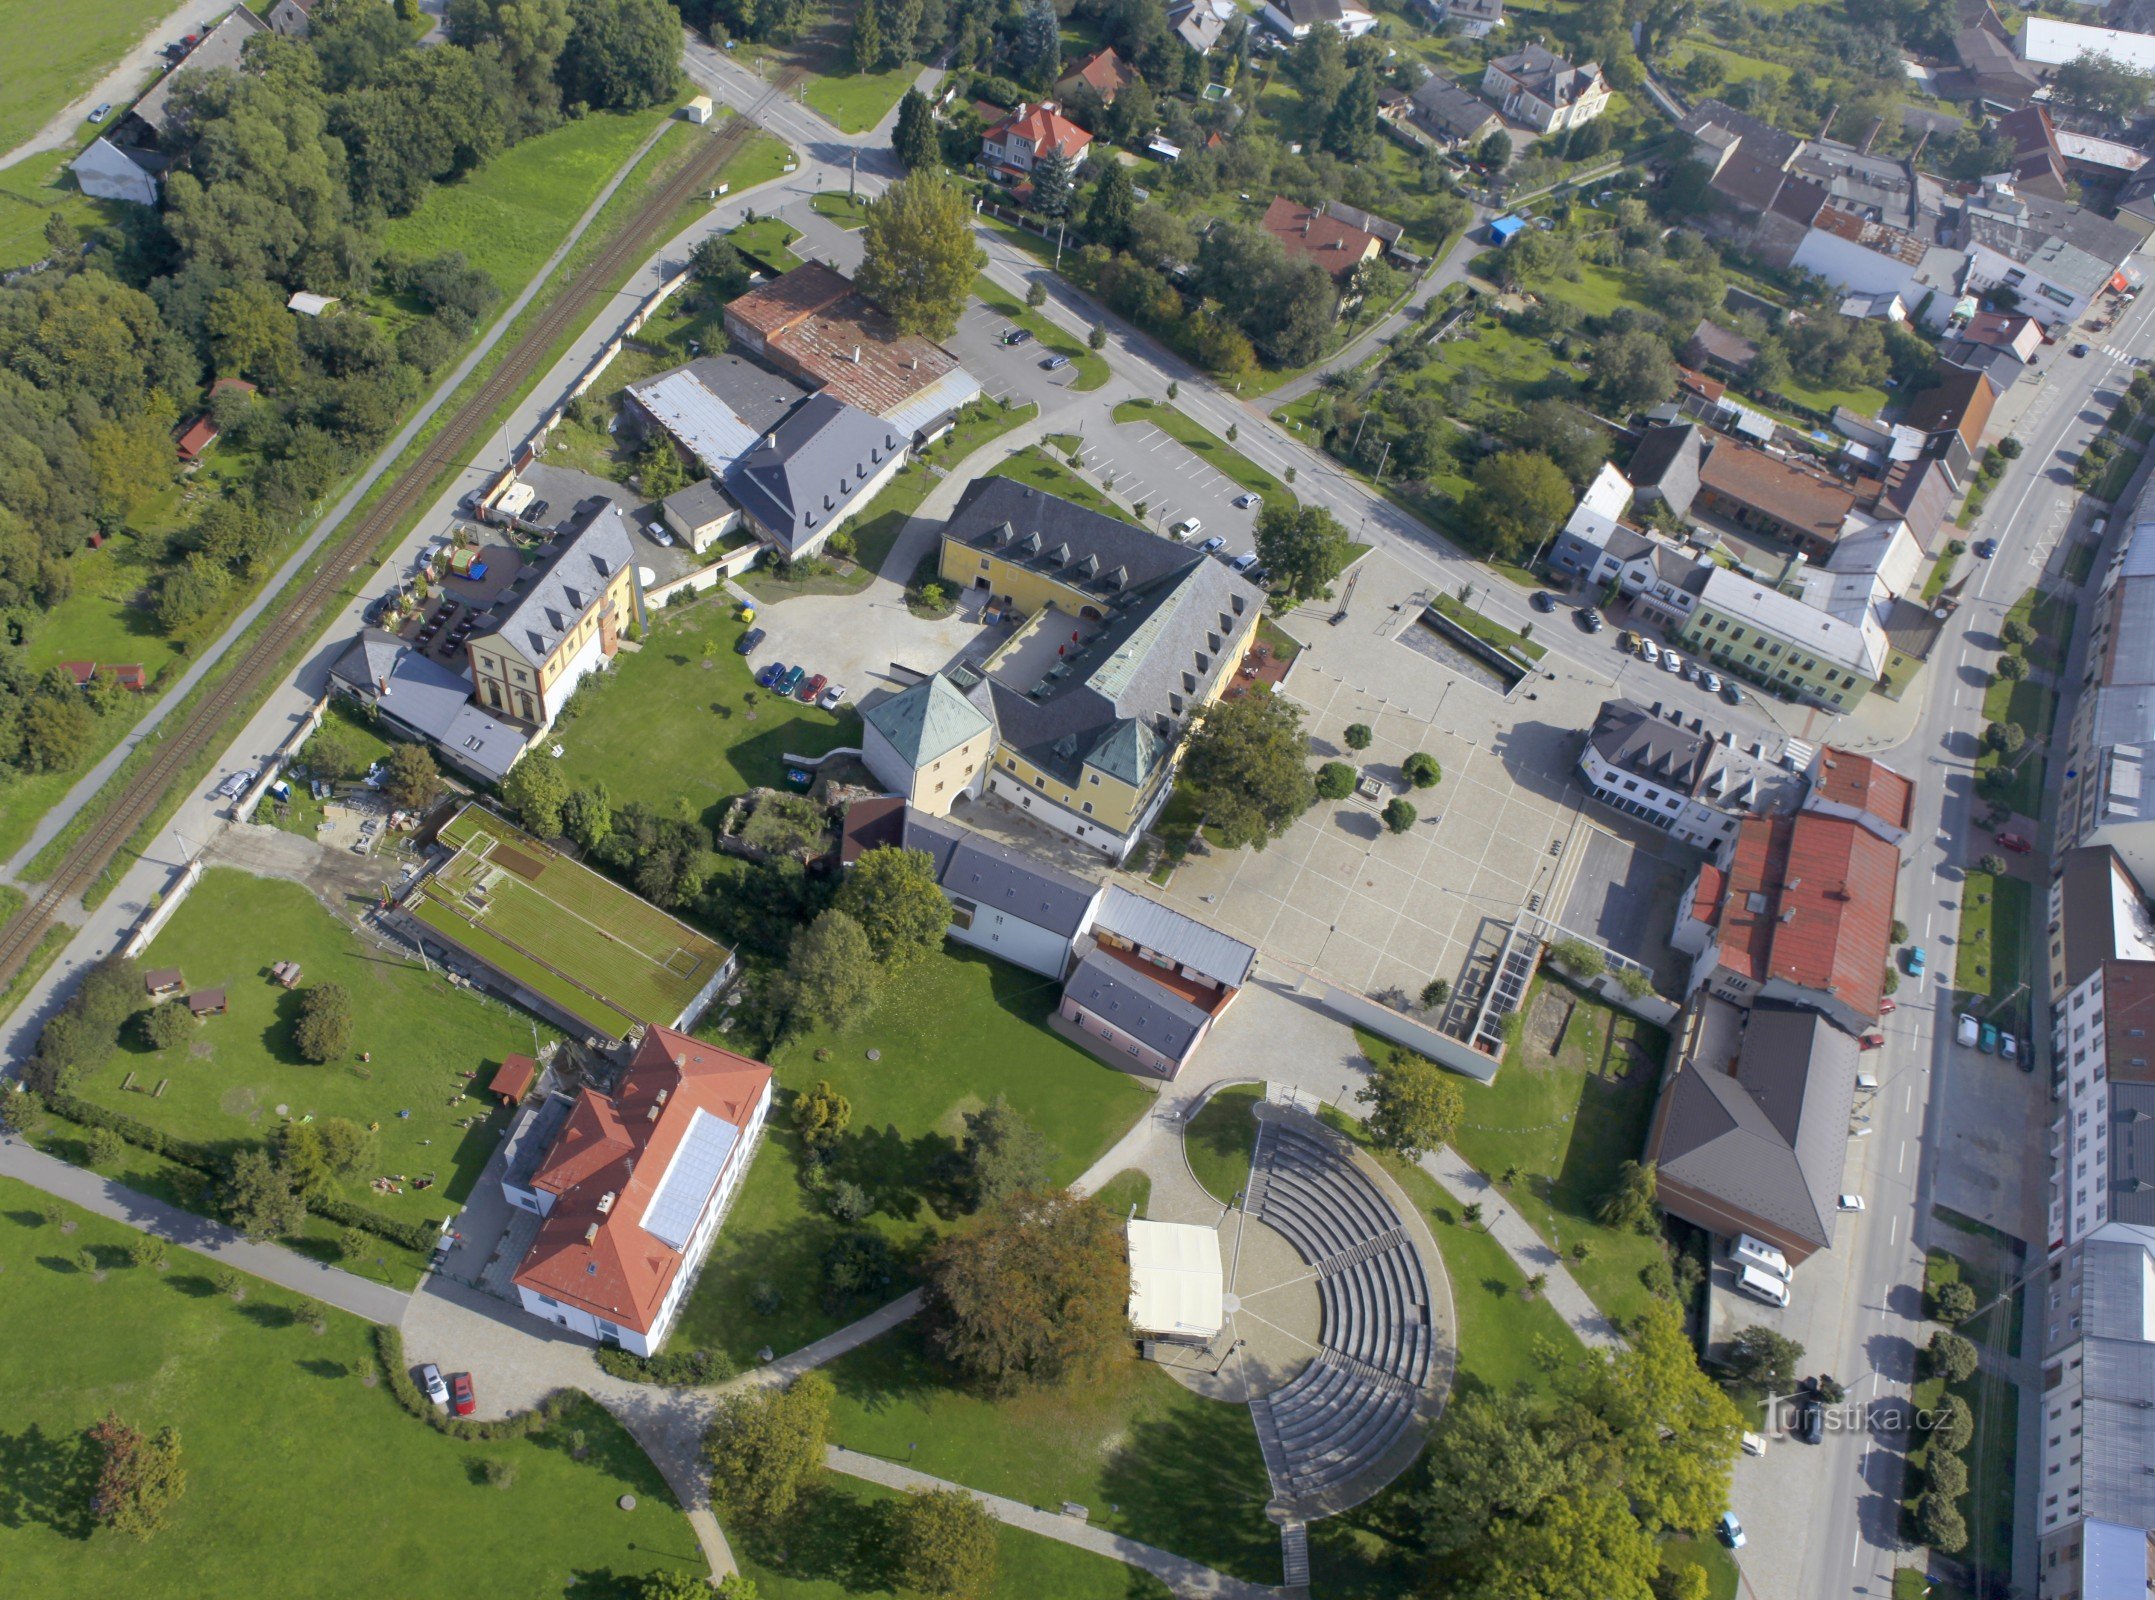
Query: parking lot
x=1009, y=372
x=1173, y=483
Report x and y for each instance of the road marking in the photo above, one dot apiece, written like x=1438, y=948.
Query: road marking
x=1901, y=1165
x=1893, y=1234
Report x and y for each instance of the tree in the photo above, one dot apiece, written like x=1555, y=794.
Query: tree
x=718, y=267
x=1952, y=1424
x=324, y=1029
x=914, y=139
x=765, y=1447
x=1399, y=814
x=1678, y=1433
x=1939, y=1523
x=1357, y=736
x=1421, y=770
x=659, y=469
x=1435, y=993
x=1335, y=781
x=1002, y=1154
x=1302, y=547
x=2005, y=737
x=1033, y=1296
x=1113, y=208
x=1953, y=1302
x=1245, y=768
x=1500, y=1463
x=1350, y=132
x=139, y=1478
x=252, y=335
x=412, y=781
x=1518, y=499
x=1494, y=152
x=1036, y=293
x=257, y=1200
x=1950, y=1356
x=587, y=816
x=1762, y=1361
x=536, y=791
x=2103, y=84
x=622, y=55
x=164, y=1026
x=314, y=1156
x=831, y=973
x=2012, y=667
x=1053, y=177
x=1946, y=1473
x=821, y=1116
x=1631, y=1203
x=920, y=259
x=946, y=1545
x=1036, y=49
x=1096, y=339
x=867, y=38
x=893, y=895
x=1632, y=370
x=1416, y=1105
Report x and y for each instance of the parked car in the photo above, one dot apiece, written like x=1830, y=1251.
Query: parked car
x=1710, y=682
x=1590, y=619
x=462, y=1400
x=1248, y=502
x=1754, y=1444
x=1811, y=1415
x=792, y=680
x=2080, y=349
x=1871, y=1041
x=1649, y=652
x=1186, y=527
x=832, y=698
x=1017, y=336
x=1055, y=363
x=1917, y=957
x=1691, y=671
x=1244, y=561
x=1732, y=694
x=1210, y=545
x=1888, y=1005
x=1731, y=1530
x=2019, y=843
x=2009, y=1047
x=1544, y=600
x=810, y=688
x=771, y=676
x=1988, y=1042
x=1987, y=549
x=430, y=1380
x=1628, y=642
x=1672, y=661
x=1850, y=1202
x=748, y=641
x=1966, y=1029
x=234, y=785
x=102, y=112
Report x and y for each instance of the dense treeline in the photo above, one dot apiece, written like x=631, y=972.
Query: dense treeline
x=281, y=171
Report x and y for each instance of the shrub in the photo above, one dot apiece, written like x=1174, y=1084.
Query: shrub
x=1399, y=815
x=1358, y=736
x=166, y=1025
x=1952, y=1302
x=1947, y=1473
x=1436, y=992
x=1635, y=983
x=848, y=1201
x=671, y=1368
x=1335, y=781
x=1422, y=771
x=1578, y=958
x=1899, y=932
x=1939, y=1523
x=1952, y=1425
x=103, y=1147
x=1950, y=1356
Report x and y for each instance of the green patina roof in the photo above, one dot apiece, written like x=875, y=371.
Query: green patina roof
x=930, y=719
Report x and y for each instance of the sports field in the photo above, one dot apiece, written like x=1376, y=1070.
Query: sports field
x=560, y=929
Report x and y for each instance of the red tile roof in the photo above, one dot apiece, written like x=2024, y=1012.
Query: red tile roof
x=1851, y=780
x=1305, y=232
x=515, y=1078
x=1708, y=389
x=1044, y=128
x=197, y=437
x=816, y=325
x=1105, y=73
x=1810, y=903
x=1765, y=483
x=606, y=1165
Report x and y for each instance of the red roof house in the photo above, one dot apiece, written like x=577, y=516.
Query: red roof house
x=1024, y=138
x=1104, y=72
x=1844, y=784
x=1307, y=234
x=197, y=437
x=633, y=1185
x=514, y=1080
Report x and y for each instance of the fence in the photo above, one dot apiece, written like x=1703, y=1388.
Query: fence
x=154, y=919
x=730, y=565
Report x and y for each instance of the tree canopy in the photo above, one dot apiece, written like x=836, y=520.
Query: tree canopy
x=765, y=1447
x=831, y=973
x=1519, y=498
x=1415, y=1105
x=1033, y=1296
x=1246, y=767
x=1303, y=549
x=894, y=897
x=920, y=259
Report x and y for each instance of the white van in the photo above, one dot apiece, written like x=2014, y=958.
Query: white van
x=1966, y=1029
x=1762, y=1286
x=1750, y=1252
x=1867, y=1081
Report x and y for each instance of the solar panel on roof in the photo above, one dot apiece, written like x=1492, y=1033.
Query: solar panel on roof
x=690, y=1179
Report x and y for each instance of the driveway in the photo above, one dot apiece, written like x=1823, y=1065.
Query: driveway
x=856, y=639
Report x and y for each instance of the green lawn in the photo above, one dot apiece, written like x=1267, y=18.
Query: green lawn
x=1035, y=466
x=837, y=1546
x=1710, y=1556
x=1124, y=1190
x=857, y=102
x=1147, y=1457
x=2032, y=704
x=98, y=620
x=847, y=210
x=509, y=215
x=56, y=53
x=303, y=1474
x=681, y=722
x=32, y=190
x=767, y=239
x=953, y=1034
x=1487, y=629
x=238, y=1076
x=1091, y=365
x=1205, y=444
x=1990, y=957
x=1220, y=1138
x=1567, y=1122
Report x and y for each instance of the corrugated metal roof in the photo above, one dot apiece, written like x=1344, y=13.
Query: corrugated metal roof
x=1203, y=949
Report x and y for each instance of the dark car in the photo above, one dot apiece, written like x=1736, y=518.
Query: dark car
x=1017, y=336
x=2080, y=349
x=768, y=678
x=461, y=1398
x=791, y=681
x=1987, y=549
x=1544, y=600
x=748, y=641
x=1590, y=619
x=1811, y=1421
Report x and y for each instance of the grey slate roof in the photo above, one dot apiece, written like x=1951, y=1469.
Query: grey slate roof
x=1770, y=1140
x=718, y=406
x=701, y=502
x=221, y=47
x=1667, y=462
x=1451, y=111
x=1631, y=739
x=430, y=701
x=1196, y=946
x=2132, y=1150
x=930, y=719
x=1023, y=525
x=2118, y=1382
x=1156, y=1017
x=973, y=867
x=801, y=476
x=571, y=585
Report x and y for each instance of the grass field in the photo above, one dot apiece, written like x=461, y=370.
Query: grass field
x=768, y=239
x=848, y=211
x=56, y=53
x=682, y=722
x=1990, y=958
x=303, y=1474
x=838, y=1547
x=1206, y=445
x=1035, y=466
x=239, y=1076
x=1567, y=1118
x=1487, y=629
x=1147, y=1457
x=858, y=101
x=1220, y=1139
x=957, y=1031
x=1091, y=366
x=32, y=190
x=606, y=955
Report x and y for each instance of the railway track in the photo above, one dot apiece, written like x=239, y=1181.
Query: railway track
x=450, y=447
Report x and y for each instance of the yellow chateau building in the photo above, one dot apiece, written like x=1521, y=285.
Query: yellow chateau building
x=1113, y=642
x=567, y=624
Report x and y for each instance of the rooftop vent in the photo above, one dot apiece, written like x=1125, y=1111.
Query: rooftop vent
x=591, y=1235
x=606, y=1203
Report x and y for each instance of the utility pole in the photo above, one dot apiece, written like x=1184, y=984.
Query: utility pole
x=853, y=172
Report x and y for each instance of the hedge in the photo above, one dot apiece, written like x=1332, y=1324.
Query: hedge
x=204, y=1159
x=674, y=1369
x=389, y=1351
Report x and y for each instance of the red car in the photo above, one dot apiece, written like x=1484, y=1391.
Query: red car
x=461, y=1399
x=1871, y=1041
x=1886, y=1005
x=2018, y=843
x=809, y=689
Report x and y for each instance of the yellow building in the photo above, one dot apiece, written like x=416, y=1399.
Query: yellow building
x=1117, y=640
x=568, y=623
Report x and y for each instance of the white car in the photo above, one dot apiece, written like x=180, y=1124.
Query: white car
x=1186, y=527
x=1244, y=561
x=430, y=1380
x=1243, y=502
x=1710, y=682
x=657, y=530
x=1671, y=661
x=1851, y=1202
x=235, y=785
x=832, y=698
x=1649, y=652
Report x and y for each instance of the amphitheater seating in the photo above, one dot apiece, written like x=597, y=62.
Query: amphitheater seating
x=1346, y=1408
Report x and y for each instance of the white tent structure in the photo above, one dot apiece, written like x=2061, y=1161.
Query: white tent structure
x=1177, y=1286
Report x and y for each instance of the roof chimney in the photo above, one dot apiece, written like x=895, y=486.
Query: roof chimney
x=606, y=1202
x=591, y=1234
x=856, y=355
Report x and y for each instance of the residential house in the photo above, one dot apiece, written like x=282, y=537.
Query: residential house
x=1149, y=983
x=1125, y=640
x=1920, y=493
x=1794, y=910
x=567, y=625
x=417, y=697
x=2038, y=160
x=1664, y=469
x=1750, y=1130
x=292, y=18
x=151, y=116
x=1004, y=901
x=2107, y=784
x=2056, y=258
x=1293, y=19
x=1308, y=233
x=1952, y=415
x=1455, y=118
x=1103, y=72
x=1545, y=92
x=811, y=473
x=1470, y=19
x=107, y=171
x=127, y=674
x=812, y=325
x=1202, y=24
x=1388, y=233
x=700, y=515
x=1860, y=789
x=1747, y=630
x=1713, y=348
x=632, y=1187
x=1026, y=137
x=1771, y=495
x=929, y=744
x=1991, y=69
x=1692, y=784
x=2016, y=333
x=194, y=440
